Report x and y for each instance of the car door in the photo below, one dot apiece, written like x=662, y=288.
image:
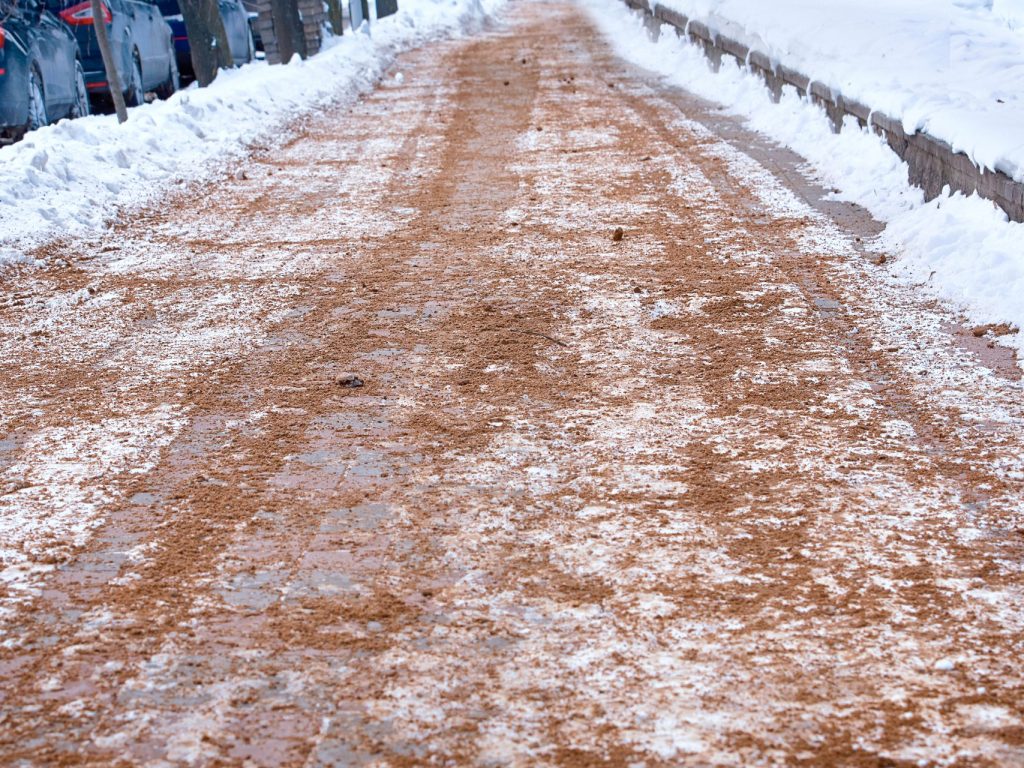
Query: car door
x=51, y=56
x=66, y=48
x=143, y=39
x=236, y=24
x=163, y=47
x=120, y=34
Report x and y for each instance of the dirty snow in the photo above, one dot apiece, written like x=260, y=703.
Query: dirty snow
x=961, y=249
x=75, y=176
x=52, y=498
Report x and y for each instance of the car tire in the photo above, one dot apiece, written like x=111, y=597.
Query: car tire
x=37, y=116
x=81, y=106
x=173, y=82
x=134, y=95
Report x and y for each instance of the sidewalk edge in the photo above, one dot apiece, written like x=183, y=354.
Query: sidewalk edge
x=932, y=162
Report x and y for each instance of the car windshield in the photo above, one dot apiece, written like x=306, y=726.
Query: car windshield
x=169, y=7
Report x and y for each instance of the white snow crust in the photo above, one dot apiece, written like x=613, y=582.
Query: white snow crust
x=958, y=248
x=75, y=176
x=953, y=68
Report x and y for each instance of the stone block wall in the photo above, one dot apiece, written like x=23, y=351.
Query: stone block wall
x=314, y=17
x=932, y=162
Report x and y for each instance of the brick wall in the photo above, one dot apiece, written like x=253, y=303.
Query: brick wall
x=313, y=19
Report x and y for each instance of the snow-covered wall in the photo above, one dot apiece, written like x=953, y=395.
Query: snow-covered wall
x=951, y=68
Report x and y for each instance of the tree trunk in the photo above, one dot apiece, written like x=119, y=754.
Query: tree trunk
x=113, y=79
x=207, y=38
x=335, y=17
x=288, y=29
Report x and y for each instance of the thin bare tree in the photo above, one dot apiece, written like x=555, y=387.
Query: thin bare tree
x=99, y=23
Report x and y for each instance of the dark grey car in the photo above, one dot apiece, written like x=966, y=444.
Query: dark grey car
x=41, y=75
x=141, y=39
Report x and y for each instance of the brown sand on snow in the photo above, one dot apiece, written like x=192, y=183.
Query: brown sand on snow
x=708, y=493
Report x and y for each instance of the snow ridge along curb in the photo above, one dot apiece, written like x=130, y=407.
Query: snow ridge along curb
x=76, y=177
x=932, y=162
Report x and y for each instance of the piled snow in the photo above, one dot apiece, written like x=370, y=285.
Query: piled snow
x=953, y=68
x=1009, y=11
x=961, y=249
x=73, y=176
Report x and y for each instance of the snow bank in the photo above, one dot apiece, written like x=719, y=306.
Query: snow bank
x=953, y=68
x=961, y=249
x=73, y=176
x=1009, y=11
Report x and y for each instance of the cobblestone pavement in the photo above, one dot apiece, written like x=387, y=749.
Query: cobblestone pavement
x=718, y=492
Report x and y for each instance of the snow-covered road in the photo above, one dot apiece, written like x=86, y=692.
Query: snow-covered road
x=719, y=492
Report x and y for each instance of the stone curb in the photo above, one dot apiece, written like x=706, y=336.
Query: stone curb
x=932, y=162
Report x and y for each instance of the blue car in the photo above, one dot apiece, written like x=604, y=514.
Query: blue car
x=141, y=39
x=41, y=76
x=236, y=25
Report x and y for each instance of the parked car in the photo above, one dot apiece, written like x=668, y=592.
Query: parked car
x=236, y=25
x=254, y=25
x=141, y=39
x=41, y=76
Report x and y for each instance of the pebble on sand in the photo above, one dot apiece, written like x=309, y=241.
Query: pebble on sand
x=349, y=381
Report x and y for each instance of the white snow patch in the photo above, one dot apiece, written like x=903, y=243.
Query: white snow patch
x=74, y=176
x=953, y=68
x=57, y=491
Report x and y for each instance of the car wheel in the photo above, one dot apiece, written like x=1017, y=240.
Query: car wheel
x=37, y=117
x=133, y=93
x=81, y=106
x=173, y=82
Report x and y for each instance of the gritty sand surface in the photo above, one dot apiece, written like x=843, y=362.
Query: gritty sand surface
x=719, y=493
